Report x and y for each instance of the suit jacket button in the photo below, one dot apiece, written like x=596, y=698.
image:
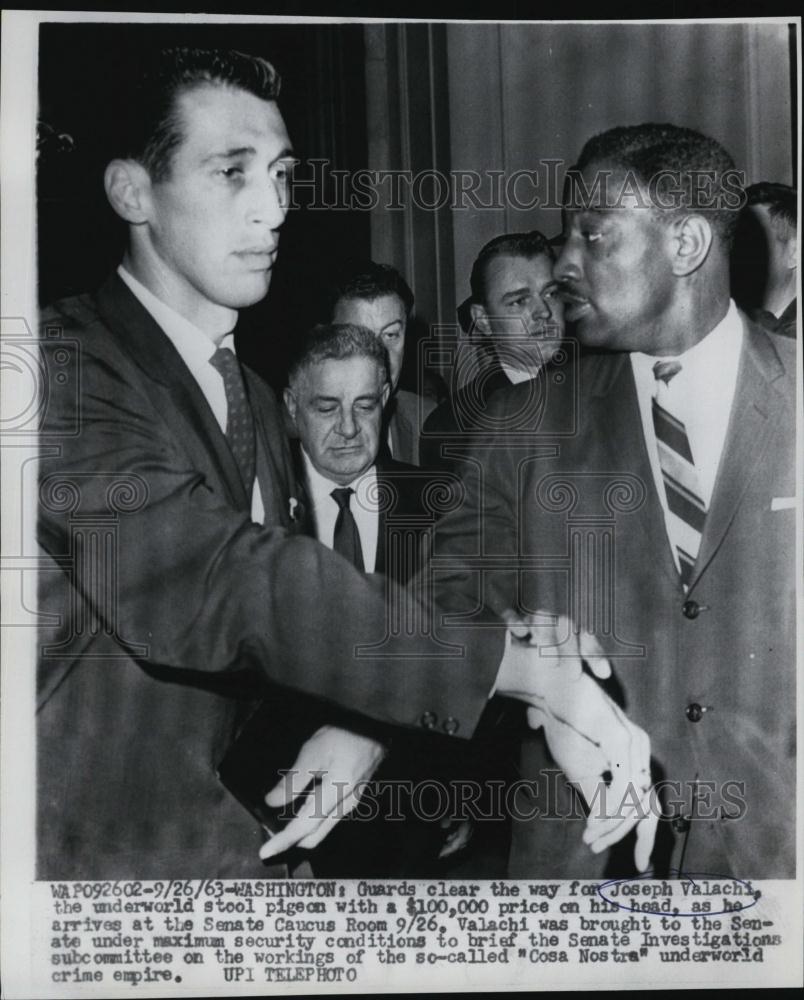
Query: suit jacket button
x=428, y=720
x=690, y=609
x=450, y=726
x=694, y=711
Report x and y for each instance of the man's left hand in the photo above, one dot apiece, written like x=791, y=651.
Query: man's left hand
x=341, y=761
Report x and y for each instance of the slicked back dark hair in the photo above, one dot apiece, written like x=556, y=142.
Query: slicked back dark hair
x=371, y=281
x=528, y=245
x=151, y=121
x=336, y=342
x=655, y=151
x=779, y=198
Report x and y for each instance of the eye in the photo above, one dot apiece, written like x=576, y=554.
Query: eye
x=326, y=409
x=231, y=173
x=591, y=236
x=282, y=170
x=368, y=407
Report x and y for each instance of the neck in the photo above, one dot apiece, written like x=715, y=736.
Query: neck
x=692, y=320
x=211, y=319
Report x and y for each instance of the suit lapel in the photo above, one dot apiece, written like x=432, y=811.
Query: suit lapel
x=275, y=472
x=753, y=420
x=144, y=341
x=616, y=426
x=402, y=434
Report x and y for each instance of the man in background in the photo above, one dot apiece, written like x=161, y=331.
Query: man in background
x=377, y=513
x=377, y=297
x=771, y=253
x=516, y=313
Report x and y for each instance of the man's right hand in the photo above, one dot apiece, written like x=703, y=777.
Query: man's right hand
x=588, y=734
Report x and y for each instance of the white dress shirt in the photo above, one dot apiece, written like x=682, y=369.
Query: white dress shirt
x=196, y=349
x=701, y=394
x=363, y=505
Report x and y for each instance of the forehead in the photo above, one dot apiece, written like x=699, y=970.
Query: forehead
x=343, y=378
x=372, y=313
x=219, y=118
x=506, y=272
x=606, y=187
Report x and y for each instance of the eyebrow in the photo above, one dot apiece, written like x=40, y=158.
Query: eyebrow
x=336, y=399
x=516, y=292
x=241, y=151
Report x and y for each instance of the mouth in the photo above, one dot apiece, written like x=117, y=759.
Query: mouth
x=257, y=258
x=575, y=305
x=547, y=331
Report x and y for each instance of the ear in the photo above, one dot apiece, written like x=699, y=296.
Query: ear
x=128, y=188
x=480, y=318
x=691, y=240
x=290, y=402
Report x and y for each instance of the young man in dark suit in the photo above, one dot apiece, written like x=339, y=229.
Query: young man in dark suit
x=514, y=311
x=177, y=592
x=652, y=501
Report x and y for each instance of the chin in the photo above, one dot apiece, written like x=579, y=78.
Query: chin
x=246, y=293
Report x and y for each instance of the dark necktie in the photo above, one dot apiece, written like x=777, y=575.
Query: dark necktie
x=346, y=539
x=239, y=419
x=681, y=483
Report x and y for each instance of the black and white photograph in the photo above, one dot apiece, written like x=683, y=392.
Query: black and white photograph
x=402, y=543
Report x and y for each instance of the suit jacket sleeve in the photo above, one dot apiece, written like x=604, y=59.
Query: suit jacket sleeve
x=197, y=586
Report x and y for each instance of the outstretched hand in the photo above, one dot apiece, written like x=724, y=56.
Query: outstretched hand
x=336, y=763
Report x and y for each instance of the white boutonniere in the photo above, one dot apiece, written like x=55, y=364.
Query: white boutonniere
x=293, y=506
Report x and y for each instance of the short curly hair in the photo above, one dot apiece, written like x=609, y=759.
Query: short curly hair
x=336, y=342
x=683, y=170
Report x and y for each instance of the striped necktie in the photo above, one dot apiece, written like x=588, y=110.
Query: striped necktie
x=346, y=539
x=686, y=508
x=239, y=419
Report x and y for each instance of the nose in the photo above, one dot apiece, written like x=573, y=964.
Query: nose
x=347, y=426
x=269, y=203
x=567, y=267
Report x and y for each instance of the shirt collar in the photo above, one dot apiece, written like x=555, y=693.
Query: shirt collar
x=189, y=340
x=320, y=488
x=517, y=375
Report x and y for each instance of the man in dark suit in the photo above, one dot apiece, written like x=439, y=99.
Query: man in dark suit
x=652, y=502
x=379, y=513
x=377, y=297
x=185, y=591
x=176, y=595
x=513, y=309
